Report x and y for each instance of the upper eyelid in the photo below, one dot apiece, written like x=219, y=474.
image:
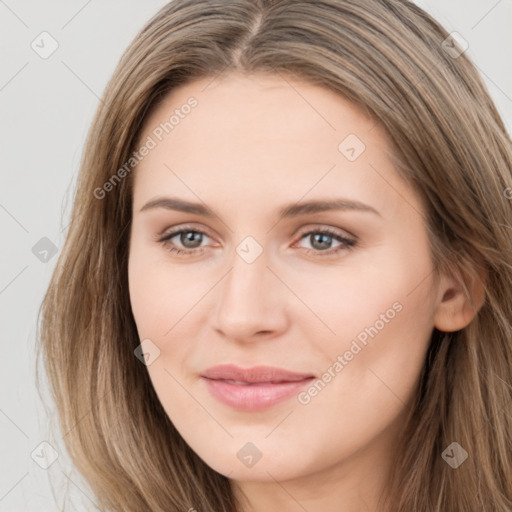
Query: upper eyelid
x=322, y=227
x=304, y=230
x=172, y=232
x=339, y=232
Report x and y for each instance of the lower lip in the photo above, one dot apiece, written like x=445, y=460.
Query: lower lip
x=253, y=397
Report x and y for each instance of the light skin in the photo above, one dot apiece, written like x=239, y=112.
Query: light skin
x=252, y=145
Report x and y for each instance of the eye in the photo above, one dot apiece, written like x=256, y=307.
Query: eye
x=189, y=238
x=321, y=241
x=188, y=241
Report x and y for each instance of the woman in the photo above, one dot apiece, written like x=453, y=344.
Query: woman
x=201, y=356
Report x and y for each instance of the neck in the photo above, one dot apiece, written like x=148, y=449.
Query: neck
x=355, y=484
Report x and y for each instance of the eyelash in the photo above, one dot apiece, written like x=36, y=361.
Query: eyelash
x=346, y=243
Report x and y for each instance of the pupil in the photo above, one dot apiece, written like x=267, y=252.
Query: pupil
x=188, y=238
x=322, y=239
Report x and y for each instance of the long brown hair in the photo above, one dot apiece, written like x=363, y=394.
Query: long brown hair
x=404, y=69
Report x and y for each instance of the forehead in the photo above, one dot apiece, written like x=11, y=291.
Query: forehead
x=259, y=134
x=275, y=105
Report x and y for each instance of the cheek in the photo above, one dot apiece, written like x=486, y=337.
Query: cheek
x=381, y=319
x=167, y=302
x=368, y=294
x=160, y=299
x=160, y=293
x=370, y=369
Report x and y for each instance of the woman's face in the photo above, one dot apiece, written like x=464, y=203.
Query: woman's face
x=340, y=292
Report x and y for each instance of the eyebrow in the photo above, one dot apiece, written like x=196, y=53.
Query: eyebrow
x=287, y=211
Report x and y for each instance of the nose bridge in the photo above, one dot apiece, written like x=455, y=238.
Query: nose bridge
x=248, y=302
x=244, y=284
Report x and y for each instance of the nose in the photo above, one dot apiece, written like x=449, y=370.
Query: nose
x=252, y=302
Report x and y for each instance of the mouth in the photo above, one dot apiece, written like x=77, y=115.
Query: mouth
x=242, y=383
x=255, y=388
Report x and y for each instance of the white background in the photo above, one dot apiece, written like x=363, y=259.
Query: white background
x=47, y=107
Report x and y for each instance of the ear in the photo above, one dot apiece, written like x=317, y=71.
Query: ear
x=461, y=297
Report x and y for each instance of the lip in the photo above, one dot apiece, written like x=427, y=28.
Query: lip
x=255, y=388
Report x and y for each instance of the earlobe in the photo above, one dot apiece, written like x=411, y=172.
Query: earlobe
x=461, y=299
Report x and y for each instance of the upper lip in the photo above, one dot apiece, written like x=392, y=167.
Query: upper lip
x=253, y=375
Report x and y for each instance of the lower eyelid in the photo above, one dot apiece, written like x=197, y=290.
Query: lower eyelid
x=345, y=242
